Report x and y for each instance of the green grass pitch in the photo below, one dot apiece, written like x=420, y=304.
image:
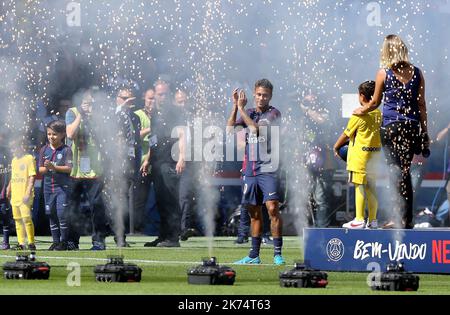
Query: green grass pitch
x=165, y=271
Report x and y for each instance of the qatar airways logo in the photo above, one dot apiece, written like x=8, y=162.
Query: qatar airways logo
x=213, y=143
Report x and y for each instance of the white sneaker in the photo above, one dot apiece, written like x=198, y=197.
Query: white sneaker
x=354, y=224
x=372, y=224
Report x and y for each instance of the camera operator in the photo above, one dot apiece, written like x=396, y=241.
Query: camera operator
x=86, y=173
x=319, y=160
x=443, y=134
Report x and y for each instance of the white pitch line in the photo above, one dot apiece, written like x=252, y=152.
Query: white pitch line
x=142, y=261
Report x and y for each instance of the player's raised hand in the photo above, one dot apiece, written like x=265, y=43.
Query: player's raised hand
x=242, y=100
x=235, y=96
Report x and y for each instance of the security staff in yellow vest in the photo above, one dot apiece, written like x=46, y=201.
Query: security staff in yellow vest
x=143, y=184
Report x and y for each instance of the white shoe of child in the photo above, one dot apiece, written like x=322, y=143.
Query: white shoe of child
x=354, y=224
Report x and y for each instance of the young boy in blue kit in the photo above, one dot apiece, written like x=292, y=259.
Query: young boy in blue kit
x=55, y=163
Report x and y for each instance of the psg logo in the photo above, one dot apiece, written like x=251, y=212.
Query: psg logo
x=335, y=249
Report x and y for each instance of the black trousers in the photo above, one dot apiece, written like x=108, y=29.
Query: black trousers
x=92, y=191
x=141, y=193
x=6, y=217
x=399, y=141
x=189, y=189
x=166, y=182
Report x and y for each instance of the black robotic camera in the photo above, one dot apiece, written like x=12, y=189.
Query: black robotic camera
x=26, y=267
x=115, y=270
x=209, y=272
x=395, y=278
x=302, y=276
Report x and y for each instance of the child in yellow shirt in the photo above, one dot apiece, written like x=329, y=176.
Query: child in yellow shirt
x=364, y=148
x=21, y=193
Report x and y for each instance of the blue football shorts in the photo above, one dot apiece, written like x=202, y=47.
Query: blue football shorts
x=257, y=190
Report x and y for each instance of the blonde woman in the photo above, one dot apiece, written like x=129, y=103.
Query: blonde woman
x=401, y=85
